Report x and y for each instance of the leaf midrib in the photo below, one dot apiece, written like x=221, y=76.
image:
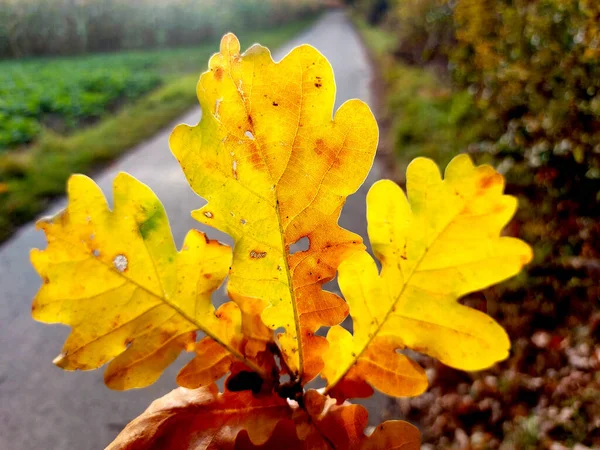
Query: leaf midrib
x=277, y=211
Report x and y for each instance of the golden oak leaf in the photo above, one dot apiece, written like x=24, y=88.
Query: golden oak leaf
x=439, y=244
x=203, y=419
x=118, y=280
x=275, y=167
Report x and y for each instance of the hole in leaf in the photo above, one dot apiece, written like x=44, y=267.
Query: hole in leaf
x=348, y=324
x=322, y=331
x=279, y=331
x=249, y=135
x=285, y=378
x=333, y=286
x=301, y=245
x=317, y=383
x=378, y=264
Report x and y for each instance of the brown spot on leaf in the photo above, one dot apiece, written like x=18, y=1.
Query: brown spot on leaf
x=318, y=85
x=165, y=336
x=256, y=254
x=255, y=158
x=218, y=73
x=490, y=180
x=319, y=147
x=208, y=276
x=63, y=217
x=275, y=104
x=499, y=208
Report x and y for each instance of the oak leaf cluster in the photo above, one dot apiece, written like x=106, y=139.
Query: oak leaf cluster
x=276, y=164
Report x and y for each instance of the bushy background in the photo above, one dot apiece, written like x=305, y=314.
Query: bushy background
x=516, y=83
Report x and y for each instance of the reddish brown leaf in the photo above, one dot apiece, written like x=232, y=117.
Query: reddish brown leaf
x=203, y=419
x=213, y=361
x=342, y=427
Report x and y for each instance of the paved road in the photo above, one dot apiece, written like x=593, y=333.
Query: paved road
x=43, y=407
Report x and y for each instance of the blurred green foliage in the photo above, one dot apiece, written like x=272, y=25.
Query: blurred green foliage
x=373, y=11
x=423, y=29
x=534, y=69
x=518, y=87
x=426, y=117
x=66, y=93
x=531, y=66
x=30, y=176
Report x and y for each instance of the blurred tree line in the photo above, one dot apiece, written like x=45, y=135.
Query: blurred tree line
x=65, y=27
x=525, y=75
x=532, y=68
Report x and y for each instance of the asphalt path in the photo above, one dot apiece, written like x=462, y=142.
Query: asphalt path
x=44, y=407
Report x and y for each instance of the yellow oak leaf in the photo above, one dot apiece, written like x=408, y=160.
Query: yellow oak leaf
x=441, y=243
x=117, y=279
x=276, y=166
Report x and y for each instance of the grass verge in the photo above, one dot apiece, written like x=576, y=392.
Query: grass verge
x=31, y=177
x=426, y=117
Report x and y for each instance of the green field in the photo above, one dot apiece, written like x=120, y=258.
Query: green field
x=65, y=115
x=65, y=94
